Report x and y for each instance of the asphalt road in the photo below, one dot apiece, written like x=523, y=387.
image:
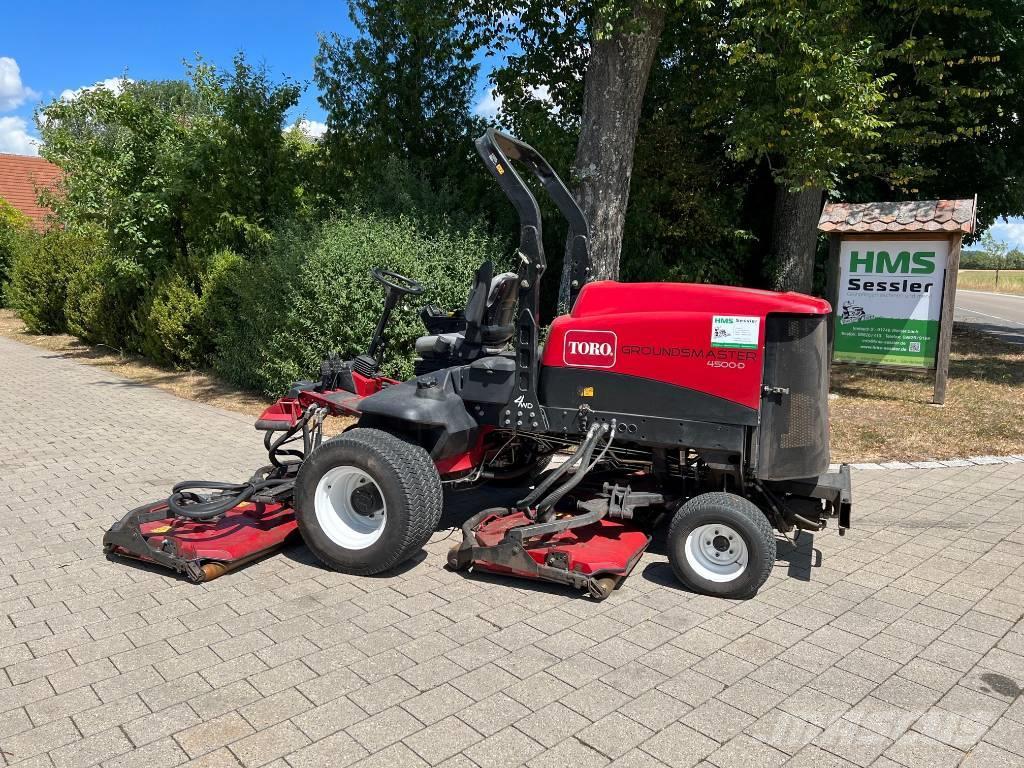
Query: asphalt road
x=1000, y=314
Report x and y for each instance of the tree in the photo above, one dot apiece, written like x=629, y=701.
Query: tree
x=623, y=45
x=590, y=63
x=955, y=101
x=176, y=169
x=803, y=94
x=402, y=89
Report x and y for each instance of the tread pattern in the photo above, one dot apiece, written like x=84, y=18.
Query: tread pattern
x=420, y=487
x=740, y=505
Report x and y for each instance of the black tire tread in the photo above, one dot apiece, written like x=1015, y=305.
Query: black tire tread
x=740, y=505
x=420, y=483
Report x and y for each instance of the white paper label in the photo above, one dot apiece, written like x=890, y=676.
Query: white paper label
x=735, y=331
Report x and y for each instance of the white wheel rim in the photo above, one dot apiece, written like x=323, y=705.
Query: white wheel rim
x=351, y=525
x=716, y=552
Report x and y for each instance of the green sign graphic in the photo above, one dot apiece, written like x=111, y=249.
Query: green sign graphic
x=890, y=300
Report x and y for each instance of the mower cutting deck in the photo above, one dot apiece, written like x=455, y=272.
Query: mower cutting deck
x=706, y=406
x=201, y=550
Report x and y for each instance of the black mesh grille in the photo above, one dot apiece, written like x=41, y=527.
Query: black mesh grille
x=793, y=437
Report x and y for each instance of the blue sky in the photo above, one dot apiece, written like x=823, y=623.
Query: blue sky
x=68, y=45
x=47, y=48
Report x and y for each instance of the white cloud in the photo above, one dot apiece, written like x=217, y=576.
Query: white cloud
x=491, y=102
x=15, y=138
x=13, y=93
x=313, y=129
x=1010, y=231
x=113, y=84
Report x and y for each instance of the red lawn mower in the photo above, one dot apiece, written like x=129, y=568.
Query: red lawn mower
x=703, y=405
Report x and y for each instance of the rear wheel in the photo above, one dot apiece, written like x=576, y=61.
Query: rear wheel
x=721, y=544
x=367, y=500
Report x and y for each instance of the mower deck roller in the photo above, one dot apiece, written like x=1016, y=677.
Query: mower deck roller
x=705, y=406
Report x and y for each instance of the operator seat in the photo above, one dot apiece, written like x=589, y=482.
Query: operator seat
x=490, y=321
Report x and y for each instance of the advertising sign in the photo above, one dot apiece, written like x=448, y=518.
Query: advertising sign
x=890, y=300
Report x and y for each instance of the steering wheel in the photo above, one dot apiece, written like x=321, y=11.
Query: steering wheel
x=398, y=282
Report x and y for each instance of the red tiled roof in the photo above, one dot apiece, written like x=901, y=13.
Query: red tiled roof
x=920, y=216
x=21, y=176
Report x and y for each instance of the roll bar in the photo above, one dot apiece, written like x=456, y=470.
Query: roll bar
x=497, y=150
x=523, y=411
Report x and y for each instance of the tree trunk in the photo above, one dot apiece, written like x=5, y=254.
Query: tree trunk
x=795, y=237
x=613, y=94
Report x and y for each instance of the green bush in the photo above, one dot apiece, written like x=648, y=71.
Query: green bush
x=42, y=268
x=14, y=229
x=103, y=291
x=170, y=323
x=222, y=273
x=314, y=295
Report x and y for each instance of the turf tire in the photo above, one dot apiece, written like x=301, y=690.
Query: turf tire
x=742, y=516
x=408, y=482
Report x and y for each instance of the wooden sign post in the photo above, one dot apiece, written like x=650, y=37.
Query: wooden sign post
x=892, y=282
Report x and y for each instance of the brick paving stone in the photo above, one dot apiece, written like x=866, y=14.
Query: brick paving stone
x=614, y=734
x=570, y=752
x=989, y=756
x=783, y=731
x=264, y=746
x=493, y=713
x=914, y=750
x=505, y=749
x=902, y=648
x=442, y=740
x=679, y=746
x=745, y=752
x=717, y=719
x=91, y=750
x=212, y=734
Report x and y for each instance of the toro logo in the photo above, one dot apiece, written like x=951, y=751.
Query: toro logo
x=590, y=349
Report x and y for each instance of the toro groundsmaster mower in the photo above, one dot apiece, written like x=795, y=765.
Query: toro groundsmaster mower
x=702, y=405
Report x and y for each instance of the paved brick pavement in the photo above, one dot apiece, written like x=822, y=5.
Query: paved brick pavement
x=899, y=645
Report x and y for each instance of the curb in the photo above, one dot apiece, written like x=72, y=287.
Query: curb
x=1017, y=458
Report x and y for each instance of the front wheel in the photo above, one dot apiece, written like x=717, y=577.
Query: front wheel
x=721, y=544
x=366, y=501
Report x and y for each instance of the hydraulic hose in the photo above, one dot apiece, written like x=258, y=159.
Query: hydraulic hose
x=187, y=501
x=545, y=506
x=207, y=499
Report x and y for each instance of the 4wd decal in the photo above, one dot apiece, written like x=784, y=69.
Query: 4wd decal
x=590, y=349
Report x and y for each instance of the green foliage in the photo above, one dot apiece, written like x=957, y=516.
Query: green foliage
x=986, y=259
x=402, y=89
x=42, y=269
x=325, y=300
x=103, y=291
x=173, y=169
x=15, y=227
x=171, y=323
x=801, y=86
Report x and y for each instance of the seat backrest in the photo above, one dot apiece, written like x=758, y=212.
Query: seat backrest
x=499, y=320
x=476, y=304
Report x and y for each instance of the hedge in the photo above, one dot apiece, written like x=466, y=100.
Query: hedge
x=314, y=295
x=260, y=322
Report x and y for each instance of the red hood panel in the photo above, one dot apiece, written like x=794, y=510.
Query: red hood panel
x=612, y=298
x=708, y=338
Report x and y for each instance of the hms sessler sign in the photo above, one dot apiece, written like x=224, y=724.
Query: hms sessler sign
x=890, y=301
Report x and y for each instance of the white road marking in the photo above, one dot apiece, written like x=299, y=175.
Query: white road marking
x=994, y=317
x=991, y=293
